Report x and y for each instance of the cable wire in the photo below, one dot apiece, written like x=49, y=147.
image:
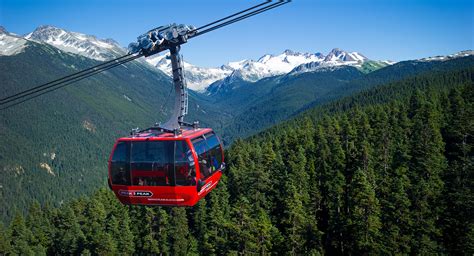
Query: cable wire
x=264, y=9
x=230, y=16
x=70, y=81
x=62, y=78
x=78, y=76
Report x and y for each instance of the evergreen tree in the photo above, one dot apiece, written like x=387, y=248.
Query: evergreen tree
x=294, y=220
x=243, y=240
x=20, y=237
x=458, y=195
x=68, y=238
x=264, y=231
x=364, y=216
x=426, y=165
x=334, y=184
x=118, y=222
x=118, y=227
x=218, y=218
x=199, y=218
x=99, y=241
x=39, y=224
x=4, y=241
x=179, y=236
x=151, y=226
x=395, y=214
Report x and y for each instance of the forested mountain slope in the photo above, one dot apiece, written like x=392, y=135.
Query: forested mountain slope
x=270, y=101
x=386, y=171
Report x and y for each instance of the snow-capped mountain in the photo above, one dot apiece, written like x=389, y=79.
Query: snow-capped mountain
x=271, y=65
x=73, y=42
x=338, y=56
x=335, y=58
x=197, y=78
x=10, y=44
x=286, y=62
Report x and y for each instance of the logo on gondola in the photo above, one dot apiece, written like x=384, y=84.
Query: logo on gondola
x=135, y=193
x=206, y=187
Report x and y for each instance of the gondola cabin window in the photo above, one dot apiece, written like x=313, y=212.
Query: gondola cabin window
x=120, y=166
x=153, y=163
x=184, y=165
x=208, y=149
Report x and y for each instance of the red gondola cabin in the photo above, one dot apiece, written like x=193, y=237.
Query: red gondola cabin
x=166, y=169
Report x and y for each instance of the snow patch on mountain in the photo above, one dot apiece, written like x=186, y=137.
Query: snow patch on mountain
x=338, y=57
x=450, y=56
x=10, y=44
x=77, y=43
x=197, y=78
x=270, y=65
x=335, y=58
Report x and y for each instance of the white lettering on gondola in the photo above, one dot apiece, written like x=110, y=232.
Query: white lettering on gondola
x=135, y=193
x=207, y=187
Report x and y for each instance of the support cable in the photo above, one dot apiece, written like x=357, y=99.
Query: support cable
x=66, y=83
x=264, y=9
x=230, y=16
x=39, y=87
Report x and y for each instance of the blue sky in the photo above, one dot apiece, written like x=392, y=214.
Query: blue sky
x=380, y=29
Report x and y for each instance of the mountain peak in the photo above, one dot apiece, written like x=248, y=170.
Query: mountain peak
x=319, y=55
x=265, y=58
x=44, y=32
x=290, y=52
x=46, y=27
x=11, y=44
x=335, y=50
x=86, y=45
x=338, y=55
x=111, y=41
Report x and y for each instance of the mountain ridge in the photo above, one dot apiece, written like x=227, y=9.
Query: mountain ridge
x=268, y=65
x=199, y=78
x=206, y=80
x=86, y=45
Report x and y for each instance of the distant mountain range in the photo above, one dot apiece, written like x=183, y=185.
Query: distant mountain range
x=198, y=78
x=206, y=80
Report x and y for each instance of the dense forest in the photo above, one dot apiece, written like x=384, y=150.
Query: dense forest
x=387, y=171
